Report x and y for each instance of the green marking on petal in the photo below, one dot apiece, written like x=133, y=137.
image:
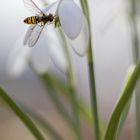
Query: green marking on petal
x=57, y=22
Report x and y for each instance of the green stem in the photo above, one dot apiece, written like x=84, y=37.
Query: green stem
x=134, y=31
x=75, y=124
x=60, y=85
x=53, y=95
x=22, y=115
x=74, y=103
x=136, y=56
x=55, y=98
x=71, y=86
x=93, y=95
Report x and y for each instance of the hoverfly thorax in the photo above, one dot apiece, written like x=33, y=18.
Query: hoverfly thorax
x=50, y=18
x=47, y=18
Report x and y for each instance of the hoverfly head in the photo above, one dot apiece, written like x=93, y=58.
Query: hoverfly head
x=50, y=17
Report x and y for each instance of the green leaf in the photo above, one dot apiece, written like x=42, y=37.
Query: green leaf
x=22, y=115
x=121, y=105
x=126, y=109
x=122, y=119
x=61, y=86
x=43, y=123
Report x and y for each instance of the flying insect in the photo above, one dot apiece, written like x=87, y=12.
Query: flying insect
x=36, y=22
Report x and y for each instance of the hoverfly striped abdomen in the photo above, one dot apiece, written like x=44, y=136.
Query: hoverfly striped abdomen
x=32, y=20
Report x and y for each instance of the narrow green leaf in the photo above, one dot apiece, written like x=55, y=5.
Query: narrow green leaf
x=44, y=125
x=123, y=101
x=126, y=109
x=55, y=98
x=122, y=119
x=52, y=92
x=60, y=85
x=22, y=115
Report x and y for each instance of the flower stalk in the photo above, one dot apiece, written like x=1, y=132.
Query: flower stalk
x=71, y=87
x=96, y=124
x=136, y=56
x=49, y=87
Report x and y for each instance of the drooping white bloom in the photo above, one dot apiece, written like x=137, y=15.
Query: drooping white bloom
x=18, y=57
x=49, y=51
x=74, y=26
x=73, y=23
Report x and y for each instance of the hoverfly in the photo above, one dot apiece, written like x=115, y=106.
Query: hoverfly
x=36, y=22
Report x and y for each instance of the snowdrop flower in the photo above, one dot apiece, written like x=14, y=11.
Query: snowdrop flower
x=18, y=57
x=69, y=17
x=74, y=25
x=49, y=52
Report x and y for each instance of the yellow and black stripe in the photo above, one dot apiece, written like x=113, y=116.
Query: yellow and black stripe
x=32, y=20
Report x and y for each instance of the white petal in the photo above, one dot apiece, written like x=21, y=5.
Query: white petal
x=81, y=43
x=71, y=18
x=55, y=47
x=40, y=56
x=18, y=58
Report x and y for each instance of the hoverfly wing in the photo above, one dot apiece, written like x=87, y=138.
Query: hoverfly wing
x=28, y=34
x=32, y=7
x=51, y=8
x=34, y=35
